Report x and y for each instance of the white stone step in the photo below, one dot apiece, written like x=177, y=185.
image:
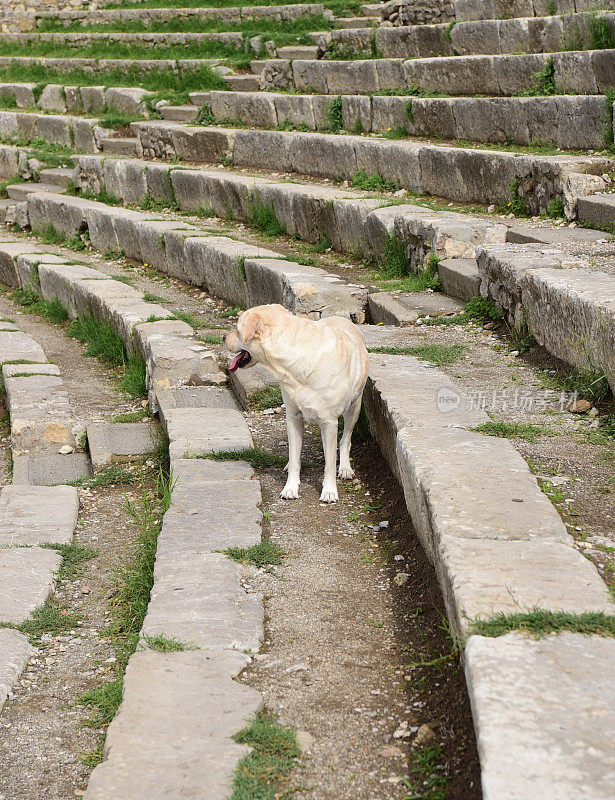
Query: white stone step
x=356, y=22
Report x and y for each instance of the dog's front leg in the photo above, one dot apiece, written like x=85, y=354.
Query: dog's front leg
x=328, y=430
x=294, y=427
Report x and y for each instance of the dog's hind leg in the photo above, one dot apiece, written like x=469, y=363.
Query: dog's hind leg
x=328, y=430
x=294, y=427
x=351, y=415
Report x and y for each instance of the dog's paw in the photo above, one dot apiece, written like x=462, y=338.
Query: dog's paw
x=290, y=491
x=328, y=495
x=287, y=466
x=345, y=473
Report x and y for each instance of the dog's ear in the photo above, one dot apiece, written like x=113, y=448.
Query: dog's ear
x=251, y=325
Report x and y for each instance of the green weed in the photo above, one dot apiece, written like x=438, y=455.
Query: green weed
x=263, y=217
x=264, y=554
x=261, y=773
x=74, y=557
x=436, y=353
x=257, y=457
x=269, y=397
x=514, y=430
x=540, y=622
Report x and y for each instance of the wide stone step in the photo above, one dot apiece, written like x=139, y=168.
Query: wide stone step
x=73, y=132
x=565, y=121
x=101, y=66
x=464, y=10
x=125, y=146
x=456, y=173
x=233, y=39
x=481, y=37
x=574, y=72
x=79, y=99
x=536, y=707
x=240, y=273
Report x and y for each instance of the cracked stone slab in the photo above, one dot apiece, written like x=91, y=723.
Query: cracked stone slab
x=40, y=413
x=18, y=346
x=26, y=580
x=200, y=600
x=399, y=308
x=172, y=735
x=50, y=469
x=202, y=472
x=119, y=442
x=194, y=397
x=543, y=713
x=15, y=650
x=31, y=515
x=195, y=431
x=209, y=517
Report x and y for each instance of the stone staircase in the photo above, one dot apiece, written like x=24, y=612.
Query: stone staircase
x=379, y=133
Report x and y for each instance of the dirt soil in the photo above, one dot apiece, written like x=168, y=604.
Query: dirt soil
x=349, y=614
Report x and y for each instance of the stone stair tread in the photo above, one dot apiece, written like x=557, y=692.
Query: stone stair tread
x=119, y=442
x=356, y=22
x=59, y=176
x=405, y=308
x=19, y=191
x=521, y=233
x=27, y=580
x=15, y=650
x=120, y=145
x=186, y=113
x=597, y=209
x=256, y=66
x=242, y=83
x=298, y=51
x=50, y=469
x=185, y=702
x=526, y=690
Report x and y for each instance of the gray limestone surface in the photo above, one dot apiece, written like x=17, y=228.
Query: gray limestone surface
x=172, y=735
x=31, y=515
x=118, y=442
x=543, y=714
x=26, y=580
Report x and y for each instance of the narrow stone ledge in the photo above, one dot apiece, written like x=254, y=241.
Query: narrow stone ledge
x=15, y=651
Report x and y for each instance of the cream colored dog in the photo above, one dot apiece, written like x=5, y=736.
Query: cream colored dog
x=321, y=368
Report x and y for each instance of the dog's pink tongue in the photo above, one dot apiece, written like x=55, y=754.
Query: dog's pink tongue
x=237, y=361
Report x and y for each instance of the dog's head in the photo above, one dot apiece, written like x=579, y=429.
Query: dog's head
x=254, y=326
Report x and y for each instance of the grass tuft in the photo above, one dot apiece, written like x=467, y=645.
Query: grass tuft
x=436, y=353
x=540, y=622
x=257, y=457
x=167, y=644
x=263, y=217
x=269, y=397
x=263, y=554
x=108, y=477
x=133, y=382
x=260, y=774
x=133, y=416
x=74, y=557
x=49, y=618
x=513, y=430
